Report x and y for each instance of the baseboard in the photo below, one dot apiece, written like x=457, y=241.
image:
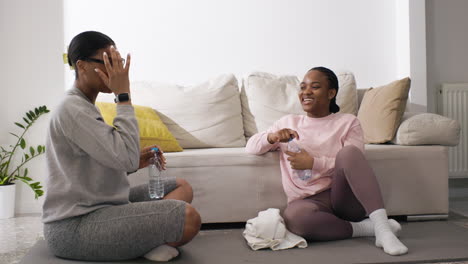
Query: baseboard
x=431, y=217
x=457, y=176
x=34, y=207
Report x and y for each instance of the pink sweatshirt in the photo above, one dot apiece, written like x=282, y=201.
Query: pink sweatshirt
x=322, y=138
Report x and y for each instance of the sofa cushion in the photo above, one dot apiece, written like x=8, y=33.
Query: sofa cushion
x=381, y=110
x=347, y=97
x=413, y=180
x=266, y=98
x=200, y=116
x=221, y=176
x=427, y=129
x=212, y=157
x=152, y=129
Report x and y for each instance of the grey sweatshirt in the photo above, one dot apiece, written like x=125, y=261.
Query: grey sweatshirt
x=88, y=160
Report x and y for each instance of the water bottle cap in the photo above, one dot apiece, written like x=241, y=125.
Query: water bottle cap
x=155, y=149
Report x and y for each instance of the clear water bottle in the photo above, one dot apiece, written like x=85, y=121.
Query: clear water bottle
x=294, y=147
x=156, y=177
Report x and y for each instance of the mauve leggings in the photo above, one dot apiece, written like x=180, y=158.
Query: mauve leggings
x=353, y=195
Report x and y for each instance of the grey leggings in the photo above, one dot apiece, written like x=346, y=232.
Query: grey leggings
x=119, y=232
x=353, y=195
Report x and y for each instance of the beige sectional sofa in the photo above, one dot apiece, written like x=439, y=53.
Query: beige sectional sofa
x=212, y=122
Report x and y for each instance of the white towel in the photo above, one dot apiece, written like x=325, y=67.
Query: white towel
x=267, y=230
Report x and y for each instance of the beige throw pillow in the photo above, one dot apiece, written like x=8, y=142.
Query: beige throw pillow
x=381, y=110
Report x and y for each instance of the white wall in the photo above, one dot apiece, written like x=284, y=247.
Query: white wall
x=31, y=75
x=417, y=43
x=187, y=41
x=402, y=38
x=3, y=72
x=447, y=43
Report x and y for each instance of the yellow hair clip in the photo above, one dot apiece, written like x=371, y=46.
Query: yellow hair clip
x=65, y=60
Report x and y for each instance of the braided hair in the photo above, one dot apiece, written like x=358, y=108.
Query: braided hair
x=332, y=84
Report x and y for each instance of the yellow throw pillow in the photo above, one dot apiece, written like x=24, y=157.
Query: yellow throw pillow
x=152, y=130
x=381, y=110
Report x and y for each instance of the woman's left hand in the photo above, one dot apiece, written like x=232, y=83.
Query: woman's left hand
x=301, y=160
x=146, y=154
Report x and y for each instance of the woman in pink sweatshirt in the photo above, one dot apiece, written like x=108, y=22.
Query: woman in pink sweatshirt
x=342, y=191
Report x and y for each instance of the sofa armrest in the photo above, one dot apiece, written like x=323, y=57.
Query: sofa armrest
x=427, y=129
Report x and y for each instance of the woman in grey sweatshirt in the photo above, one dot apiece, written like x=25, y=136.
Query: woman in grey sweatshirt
x=90, y=212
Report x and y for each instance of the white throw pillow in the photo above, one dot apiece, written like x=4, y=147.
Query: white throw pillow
x=201, y=116
x=347, y=98
x=427, y=129
x=266, y=98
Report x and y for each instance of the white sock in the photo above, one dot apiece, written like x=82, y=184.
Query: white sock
x=366, y=228
x=162, y=253
x=384, y=236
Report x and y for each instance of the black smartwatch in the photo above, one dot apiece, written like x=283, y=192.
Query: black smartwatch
x=123, y=97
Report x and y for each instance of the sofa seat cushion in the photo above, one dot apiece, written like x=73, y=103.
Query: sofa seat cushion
x=210, y=157
x=413, y=179
x=230, y=185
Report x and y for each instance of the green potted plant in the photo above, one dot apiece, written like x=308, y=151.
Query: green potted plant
x=12, y=169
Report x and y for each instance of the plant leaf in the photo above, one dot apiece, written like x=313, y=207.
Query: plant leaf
x=38, y=193
x=5, y=180
x=26, y=173
x=24, y=178
x=26, y=120
x=26, y=156
x=31, y=149
x=20, y=125
x=13, y=135
x=39, y=149
x=23, y=143
x=36, y=110
x=32, y=114
x=29, y=116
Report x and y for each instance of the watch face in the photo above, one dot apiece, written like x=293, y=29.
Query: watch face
x=124, y=97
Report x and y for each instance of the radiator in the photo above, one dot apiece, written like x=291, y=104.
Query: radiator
x=453, y=103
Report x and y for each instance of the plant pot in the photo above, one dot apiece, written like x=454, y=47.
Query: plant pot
x=7, y=201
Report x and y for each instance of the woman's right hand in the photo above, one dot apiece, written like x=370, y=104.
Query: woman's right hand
x=117, y=73
x=282, y=135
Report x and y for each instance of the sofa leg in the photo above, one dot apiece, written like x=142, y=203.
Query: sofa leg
x=413, y=218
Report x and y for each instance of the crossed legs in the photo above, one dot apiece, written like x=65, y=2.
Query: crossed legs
x=178, y=190
x=339, y=212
